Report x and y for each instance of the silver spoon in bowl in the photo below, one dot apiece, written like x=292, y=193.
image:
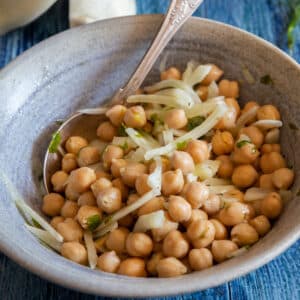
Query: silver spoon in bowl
x=85, y=125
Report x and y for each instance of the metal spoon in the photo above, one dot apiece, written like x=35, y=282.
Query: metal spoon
x=85, y=125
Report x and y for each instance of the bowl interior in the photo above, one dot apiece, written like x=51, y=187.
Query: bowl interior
x=82, y=67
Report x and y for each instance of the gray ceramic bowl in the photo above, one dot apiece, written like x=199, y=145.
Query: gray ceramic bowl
x=77, y=69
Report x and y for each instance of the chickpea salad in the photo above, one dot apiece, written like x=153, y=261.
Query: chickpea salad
x=180, y=178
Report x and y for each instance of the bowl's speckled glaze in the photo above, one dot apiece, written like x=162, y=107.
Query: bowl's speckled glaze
x=82, y=66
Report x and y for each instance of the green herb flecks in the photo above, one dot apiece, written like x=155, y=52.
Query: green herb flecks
x=55, y=141
x=242, y=143
x=267, y=80
x=122, y=131
x=181, y=145
x=124, y=146
x=291, y=27
x=194, y=122
x=93, y=222
x=35, y=223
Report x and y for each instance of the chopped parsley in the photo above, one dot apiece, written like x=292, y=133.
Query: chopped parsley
x=122, y=131
x=242, y=143
x=181, y=145
x=93, y=222
x=194, y=122
x=267, y=79
x=124, y=146
x=291, y=27
x=55, y=141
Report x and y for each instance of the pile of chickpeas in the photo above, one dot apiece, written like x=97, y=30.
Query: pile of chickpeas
x=199, y=230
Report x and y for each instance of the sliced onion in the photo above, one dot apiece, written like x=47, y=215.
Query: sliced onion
x=110, y=227
x=207, y=169
x=191, y=66
x=94, y=111
x=184, y=97
x=150, y=221
x=91, y=249
x=198, y=74
x=145, y=141
x=213, y=90
x=267, y=124
x=254, y=194
x=168, y=136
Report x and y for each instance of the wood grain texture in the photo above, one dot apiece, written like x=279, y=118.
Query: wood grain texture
x=278, y=280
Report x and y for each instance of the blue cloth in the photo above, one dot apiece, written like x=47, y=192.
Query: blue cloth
x=269, y=19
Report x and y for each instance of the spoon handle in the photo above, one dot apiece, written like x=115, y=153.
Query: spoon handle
x=179, y=11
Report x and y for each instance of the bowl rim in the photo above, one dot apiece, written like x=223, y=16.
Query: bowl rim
x=55, y=274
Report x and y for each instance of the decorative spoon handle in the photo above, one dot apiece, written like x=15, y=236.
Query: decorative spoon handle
x=179, y=11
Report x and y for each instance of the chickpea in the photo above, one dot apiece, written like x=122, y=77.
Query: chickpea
x=196, y=193
x=172, y=182
x=153, y=205
x=171, y=73
x=267, y=148
x=116, y=240
x=175, y=244
x=139, y=244
x=152, y=263
x=71, y=194
x=183, y=161
x=87, y=198
x=229, y=88
x=271, y=205
x=75, y=143
x=116, y=114
x=116, y=166
x=100, y=185
x=233, y=214
x=69, y=209
x=52, y=204
x=110, y=200
x=250, y=105
x=118, y=183
x=222, y=249
x=283, y=178
x=271, y=162
x=100, y=244
x=201, y=233
x=131, y=171
x=106, y=131
x=228, y=120
x=159, y=234
x=261, y=224
x=85, y=212
x=220, y=230
x=110, y=153
x=59, y=180
x=251, y=212
x=141, y=184
x=56, y=220
x=109, y=262
x=244, y=176
x=202, y=92
x=165, y=165
x=148, y=127
x=70, y=230
x=81, y=179
x=75, y=252
x=179, y=209
x=132, y=198
x=87, y=156
x=226, y=167
x=157, y=247
x=133, y=267
x=200, y=259
x=175, y=118
x=237, y=194
x=197, y=214
x=126, y=221
x=212, y=205
x=268, y=112
x=198, y=150
x=222, y=142
x=245, y=153
x=69, y=162
x=255, y=135
x=170, y=267
x=244, y=234
x=265, y=181
x=102, y=174
x=135, y=117
x=214, y=75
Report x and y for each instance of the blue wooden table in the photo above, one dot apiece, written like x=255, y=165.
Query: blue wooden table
x=269, y=19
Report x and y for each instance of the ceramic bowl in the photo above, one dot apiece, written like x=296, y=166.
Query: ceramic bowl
x=81, y=67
